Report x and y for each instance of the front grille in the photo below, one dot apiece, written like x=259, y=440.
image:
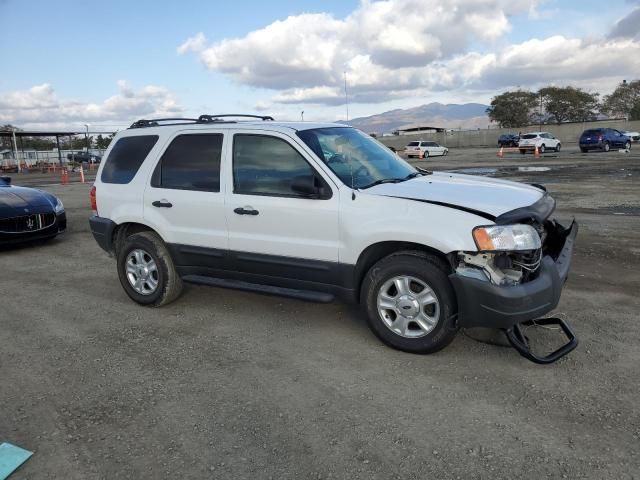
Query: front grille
x=27, y=223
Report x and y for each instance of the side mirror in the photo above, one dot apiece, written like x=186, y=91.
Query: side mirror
x=308, y=186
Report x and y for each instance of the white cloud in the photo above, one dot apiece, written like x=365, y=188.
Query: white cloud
x=40, y=105
x=393, y=49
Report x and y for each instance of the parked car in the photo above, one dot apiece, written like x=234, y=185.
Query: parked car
x=84, y=157
x=28, y=214
x=425, y=149
x=508, y=140
x=543, y=140
x=634, y=136
x=318, y=211
x=603, y=139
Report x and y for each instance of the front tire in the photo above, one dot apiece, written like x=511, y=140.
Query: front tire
x=410, y=303
x=627, y=146
x=584, y=150
x=146, y=270
x=558, y=147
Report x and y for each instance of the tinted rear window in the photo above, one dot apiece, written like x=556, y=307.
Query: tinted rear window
x=191, y=162
x=413, y=144
x=529, y=136
x=125, y=158
x=592, y=132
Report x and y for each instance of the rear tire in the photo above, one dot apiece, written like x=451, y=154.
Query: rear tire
x=584, y=150
x=425, y=154
x=161, y=284
x=606, y=147
x=523, y=151
x=542, y=149
x=627, y=146
x=558, y=147
x=428, y=320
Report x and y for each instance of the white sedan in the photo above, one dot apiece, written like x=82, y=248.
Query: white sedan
x=423, y=149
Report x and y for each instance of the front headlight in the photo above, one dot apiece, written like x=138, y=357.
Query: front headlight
x=506, y=238
x=59, y=207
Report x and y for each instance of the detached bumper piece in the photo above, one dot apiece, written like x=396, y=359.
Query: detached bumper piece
x=520, y=342
x=513, y=309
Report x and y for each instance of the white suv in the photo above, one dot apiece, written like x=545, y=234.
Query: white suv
x=317, y=211
x=543, y=140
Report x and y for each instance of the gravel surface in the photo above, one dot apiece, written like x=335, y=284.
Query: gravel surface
x=225, y=384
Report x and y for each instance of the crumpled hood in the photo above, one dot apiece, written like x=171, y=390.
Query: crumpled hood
x=488, y=195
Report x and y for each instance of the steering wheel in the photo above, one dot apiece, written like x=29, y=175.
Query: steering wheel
x=362, y=171
x=335, y=158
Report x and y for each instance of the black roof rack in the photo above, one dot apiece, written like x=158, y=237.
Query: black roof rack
x=157, y=122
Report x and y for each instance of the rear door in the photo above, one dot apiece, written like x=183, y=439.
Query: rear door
x=274, y=231
x=184, y=199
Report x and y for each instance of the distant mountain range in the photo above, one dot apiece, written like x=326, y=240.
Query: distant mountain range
x=466, y=116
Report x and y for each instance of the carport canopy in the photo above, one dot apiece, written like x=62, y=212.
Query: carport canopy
x=45, y=133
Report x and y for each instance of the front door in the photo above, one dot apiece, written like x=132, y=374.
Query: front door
x=272, y=229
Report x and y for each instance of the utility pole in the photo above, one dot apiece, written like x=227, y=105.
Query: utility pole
x=15, y=148
x=346, y=96
x=86, y=136
x=540, y=114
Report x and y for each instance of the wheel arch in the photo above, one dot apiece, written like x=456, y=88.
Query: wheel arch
x=377, y=251
x=126, y=229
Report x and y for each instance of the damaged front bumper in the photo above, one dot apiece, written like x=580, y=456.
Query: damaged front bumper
x=484, y=304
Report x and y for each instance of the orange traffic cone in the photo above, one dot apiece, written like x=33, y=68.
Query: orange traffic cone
x=81, y=174
x=536, y=152
x=500, y=153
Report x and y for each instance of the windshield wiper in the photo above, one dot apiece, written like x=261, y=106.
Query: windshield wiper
x=383, y=180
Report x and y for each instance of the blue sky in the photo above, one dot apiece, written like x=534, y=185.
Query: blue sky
x=81, y=50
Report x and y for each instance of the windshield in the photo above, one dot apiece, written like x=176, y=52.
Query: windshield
x=356, y=158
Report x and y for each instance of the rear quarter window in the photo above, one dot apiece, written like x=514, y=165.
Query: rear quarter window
x=125, y=158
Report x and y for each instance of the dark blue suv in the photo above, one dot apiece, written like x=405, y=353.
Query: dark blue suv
x=508, y=140
x=603, y=139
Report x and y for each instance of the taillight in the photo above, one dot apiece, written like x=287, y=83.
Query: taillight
x=600, y=137
x=94, y=201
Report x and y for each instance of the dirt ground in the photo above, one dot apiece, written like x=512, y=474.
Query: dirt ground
x=225, y=384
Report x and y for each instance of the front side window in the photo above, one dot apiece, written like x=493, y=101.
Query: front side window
x=191, y=162
x=126, y=157
x=356, y=158
x=264, y=165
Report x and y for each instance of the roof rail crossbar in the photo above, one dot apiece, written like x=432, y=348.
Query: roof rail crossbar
x=157, y=122
x=214, y=118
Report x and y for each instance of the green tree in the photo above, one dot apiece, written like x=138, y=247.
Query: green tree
x=512, y=109
x=569, y=104
x=103, y=142
x=624, y=101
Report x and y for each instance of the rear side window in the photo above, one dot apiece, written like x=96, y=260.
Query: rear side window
x=190, y=162
x=264, y=165
x=125, y=158
x=413, y=144
x=529, y=136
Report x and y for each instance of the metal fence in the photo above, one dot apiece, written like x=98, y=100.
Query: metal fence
x=36, y=158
